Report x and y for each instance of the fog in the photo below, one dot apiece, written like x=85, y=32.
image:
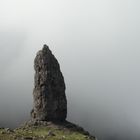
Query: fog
x=97, y=45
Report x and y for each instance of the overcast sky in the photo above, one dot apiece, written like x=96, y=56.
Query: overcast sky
x=97, y=43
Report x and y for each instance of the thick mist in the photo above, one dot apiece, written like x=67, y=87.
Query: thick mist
x=97, y=45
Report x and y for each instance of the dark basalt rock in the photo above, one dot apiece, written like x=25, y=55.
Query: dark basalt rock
x=50, y=102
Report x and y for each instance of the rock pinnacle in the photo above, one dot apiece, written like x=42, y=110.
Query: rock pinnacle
x=50, y=103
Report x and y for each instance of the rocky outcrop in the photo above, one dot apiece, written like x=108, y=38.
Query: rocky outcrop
x=50, y=102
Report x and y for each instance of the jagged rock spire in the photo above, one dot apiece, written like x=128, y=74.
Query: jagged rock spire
x=50, y=102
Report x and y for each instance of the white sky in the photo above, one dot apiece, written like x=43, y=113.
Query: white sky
x=97, y=44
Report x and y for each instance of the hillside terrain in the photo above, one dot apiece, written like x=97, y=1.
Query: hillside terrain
x=46, y=131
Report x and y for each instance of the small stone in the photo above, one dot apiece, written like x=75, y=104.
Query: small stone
x=63, y=137
x=50, y=133
x=43, y=136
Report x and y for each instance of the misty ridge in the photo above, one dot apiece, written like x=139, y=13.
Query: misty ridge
x=97, y=45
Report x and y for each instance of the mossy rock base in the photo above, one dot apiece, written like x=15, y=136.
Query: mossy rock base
x=36, y=130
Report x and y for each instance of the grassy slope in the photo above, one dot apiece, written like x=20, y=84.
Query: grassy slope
x=45, y=132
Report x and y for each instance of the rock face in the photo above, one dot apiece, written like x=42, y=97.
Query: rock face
x=50, y=102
